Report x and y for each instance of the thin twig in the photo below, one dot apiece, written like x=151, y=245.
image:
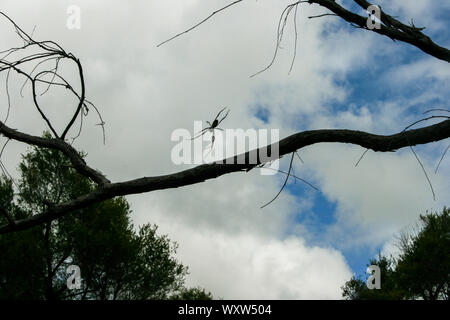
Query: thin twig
x=322, y=15
x=299, y=157
x=54, y=71
x=79, y=129
x=280, y=31
x=284, y=184
x=443, y=155
x=437, y=109
x=102, y=123
x=3, y=167
x=296, y=39
x=294, y=176
x=361, y=157
x=3, y=148
x=425, y=119
x=424, y=171
x=199, y=23
x=8, y=96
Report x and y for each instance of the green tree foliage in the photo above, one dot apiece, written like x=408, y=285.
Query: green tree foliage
x=116, y=262
x=20, y=252
x=192, y=294
x=421, y=271
x=356, y=288
x=424, y=265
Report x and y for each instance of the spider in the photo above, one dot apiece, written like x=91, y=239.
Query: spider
x=212, y=126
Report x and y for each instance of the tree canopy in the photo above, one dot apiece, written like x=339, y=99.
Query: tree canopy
x=422, y=269
x=116, y=262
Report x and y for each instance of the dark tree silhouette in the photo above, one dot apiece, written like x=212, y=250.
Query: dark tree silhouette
x=421, y=271
x=39, y=53
x=116, y=262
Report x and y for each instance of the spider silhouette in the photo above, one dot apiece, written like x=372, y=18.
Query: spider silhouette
x=212, y=126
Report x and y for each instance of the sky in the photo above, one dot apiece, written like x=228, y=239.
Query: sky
x=307, y=243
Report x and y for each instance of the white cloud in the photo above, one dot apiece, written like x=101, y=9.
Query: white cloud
x=246, y=266
x=423, y=13
x=422, y=70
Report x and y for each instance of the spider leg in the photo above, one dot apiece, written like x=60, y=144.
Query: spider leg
x=212, y=126
x=226, y=114
x=204, y=130
x=212, y=140
x=219, y=113
x=212, y=145
x=200, y=133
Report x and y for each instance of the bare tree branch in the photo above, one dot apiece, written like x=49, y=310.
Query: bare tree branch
x=56, y=144
x=391, y=28
x=205, y=172
x=107, y=190
x=82, y=97
x=49, y=51
x=437, y=109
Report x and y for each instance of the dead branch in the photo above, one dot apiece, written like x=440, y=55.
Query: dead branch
x=49, y=51
x=107, y=190
x=391, y=27
x=56, y=144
